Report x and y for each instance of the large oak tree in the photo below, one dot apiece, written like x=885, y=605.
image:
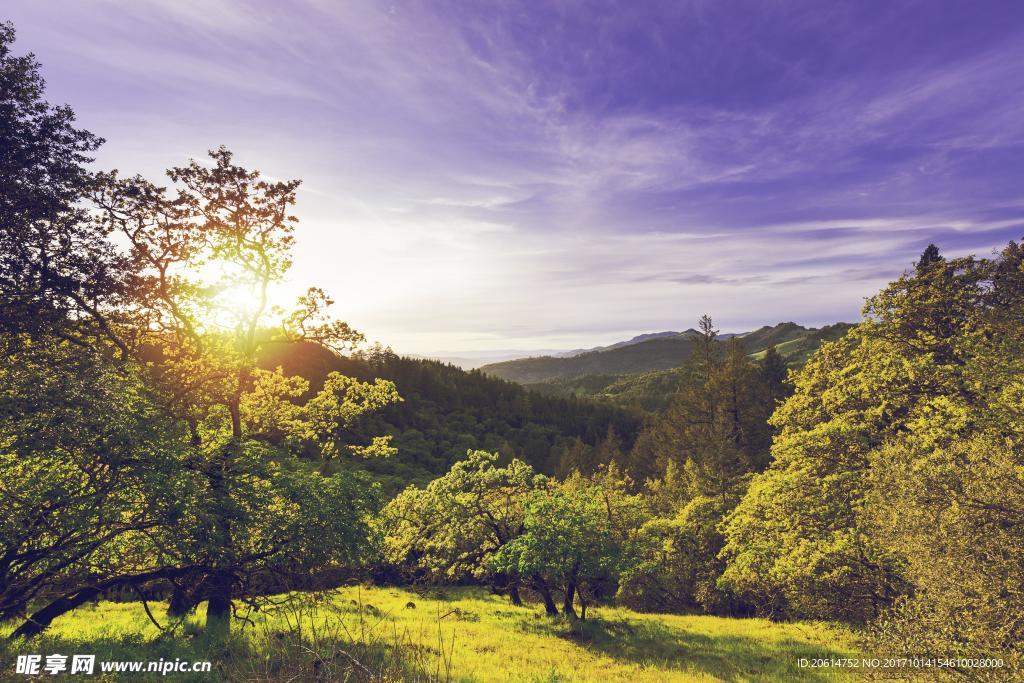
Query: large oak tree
x=183, y=461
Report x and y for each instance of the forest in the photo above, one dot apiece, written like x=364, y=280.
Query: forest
x=446, y=412
x=178, y=455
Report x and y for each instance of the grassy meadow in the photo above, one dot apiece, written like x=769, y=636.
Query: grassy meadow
x=455, y=634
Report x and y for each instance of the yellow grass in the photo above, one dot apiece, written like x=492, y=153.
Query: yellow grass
x=457, y=635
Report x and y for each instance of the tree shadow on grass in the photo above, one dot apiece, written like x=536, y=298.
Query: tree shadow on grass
x=284, y=659
x=116, y=648
x=729, y=657
x=372, y=650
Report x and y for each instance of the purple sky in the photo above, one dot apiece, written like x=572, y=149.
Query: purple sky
x=489, y=175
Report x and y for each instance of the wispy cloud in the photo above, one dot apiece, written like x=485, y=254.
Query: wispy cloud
x=538, y=174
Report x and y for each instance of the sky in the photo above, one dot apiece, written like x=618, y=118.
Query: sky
x=482, y=176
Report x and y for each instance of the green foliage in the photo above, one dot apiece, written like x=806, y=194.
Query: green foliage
x=955, y=514
x=716, y=426
x=679, y=569
x=450, y=530
x=141, y=442
x=85, y=463
x=578, y=536
x=895, y=478
x=512, y=528
x=952, y=506
x=699, y=455
x=447, y=411
x=797, y=535
x=54, y=261
x=260, y=516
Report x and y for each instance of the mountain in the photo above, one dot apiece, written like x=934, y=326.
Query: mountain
x=447, y=411
x=471, y=360
x=660, y=351
x=629, y=342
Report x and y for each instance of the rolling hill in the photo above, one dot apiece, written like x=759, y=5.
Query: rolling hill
x=662, y=351
x=447, y=411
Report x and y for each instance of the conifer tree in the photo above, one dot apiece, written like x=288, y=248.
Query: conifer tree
x=928, y=257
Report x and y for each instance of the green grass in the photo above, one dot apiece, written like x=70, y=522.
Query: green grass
x=452, y=634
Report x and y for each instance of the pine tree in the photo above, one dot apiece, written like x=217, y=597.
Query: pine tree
x=773, y=371
x=609, y=451
x=575, y=458
x=716, y=428
x=708, y=349
x=931, y=255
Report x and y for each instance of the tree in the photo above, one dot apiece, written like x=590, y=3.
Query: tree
x=687, y=429
x=678, y=567
x=578, y=537
x=55, y=264
x=244, y=423
x=85, y=464
x=715, y=429
x=928, y=257
x=954, y=507
x=610, y=449
x=450, y=530
x=708, y=336
x=713, y=437
x=573, y=457
x=956, y=516
x=185, y=306
x=774, y=370
x=259, y=515
x=806, y=539
x=796, y=544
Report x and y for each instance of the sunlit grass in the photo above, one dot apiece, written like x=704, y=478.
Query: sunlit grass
x=458, y=635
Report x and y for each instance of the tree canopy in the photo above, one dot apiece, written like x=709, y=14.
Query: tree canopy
x=896, y=471
x=137, y=312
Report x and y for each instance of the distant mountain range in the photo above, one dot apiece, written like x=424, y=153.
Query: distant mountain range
x=471, y=360
x=657, y=351
x=629, y=342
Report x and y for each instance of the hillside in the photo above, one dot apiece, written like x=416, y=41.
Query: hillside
x=660, y=353
x=648, y=391
x=652, y=391
x=447, y=411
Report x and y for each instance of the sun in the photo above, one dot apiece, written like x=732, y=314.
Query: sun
x=240, y=298
x=226, y=300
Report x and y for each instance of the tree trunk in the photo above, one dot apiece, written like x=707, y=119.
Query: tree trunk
x=502, y=584
x=221, y=581
x=42, y=618
x=545, y=594
x=180, y=604
x=12, y=610
x=218, y=607
x=567, y=610
x=513, y=594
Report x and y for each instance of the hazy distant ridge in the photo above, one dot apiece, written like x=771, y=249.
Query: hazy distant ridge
x=658, y=351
